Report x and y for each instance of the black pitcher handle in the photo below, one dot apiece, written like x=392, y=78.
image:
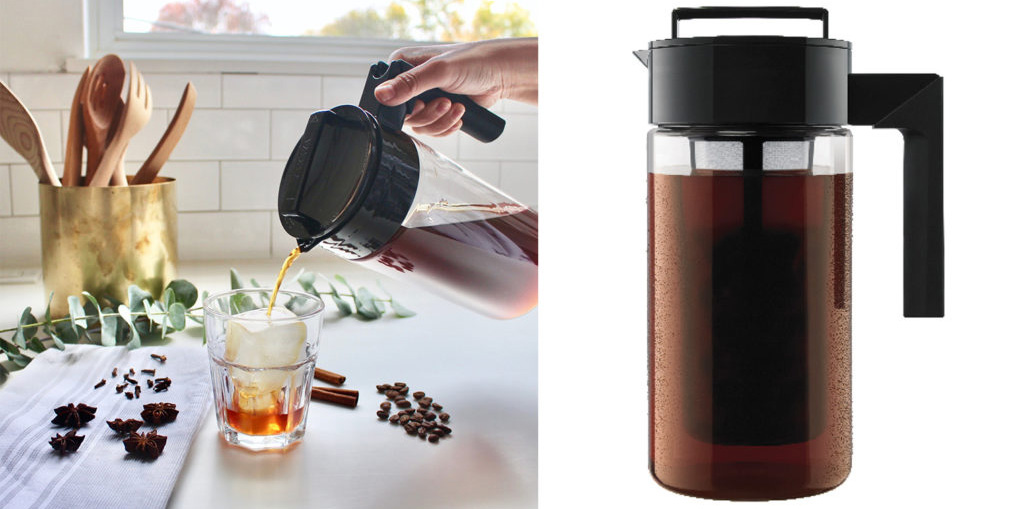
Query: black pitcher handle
x=815, y=13
x=912, y=103
x=477, y=121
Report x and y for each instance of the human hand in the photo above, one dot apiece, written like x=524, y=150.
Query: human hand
x=485, y=71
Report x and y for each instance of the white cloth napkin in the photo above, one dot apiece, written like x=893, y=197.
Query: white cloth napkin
x=100, y=473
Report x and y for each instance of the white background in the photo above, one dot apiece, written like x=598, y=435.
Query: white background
x=937, y=402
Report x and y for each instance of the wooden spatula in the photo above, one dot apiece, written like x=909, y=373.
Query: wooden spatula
x=73, y=151
x=20, y=130
x=137, y=109
x=163, y=149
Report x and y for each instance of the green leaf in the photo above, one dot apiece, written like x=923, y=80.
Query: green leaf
x=94, y=305
x=3, y=375
x=185, y=292
x=19, y=337
x=126, y=315
x=306, y=281
x=8, y=347
x=400, y=310
x=342, y=280
x=77, y=314
x=108, y=328
x=177, y=314
x=343, y=308
x=254, y=283
x=194, y=318
x=241, y=302
x=20, y=360
x=61, y=333
x=36, y=345
x=236, y=280
x=27, y=318
x=136, y=296
x=365, y=306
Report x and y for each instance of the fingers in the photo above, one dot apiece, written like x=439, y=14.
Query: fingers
x=432, y=74
x=438, y=118
x=416, y=55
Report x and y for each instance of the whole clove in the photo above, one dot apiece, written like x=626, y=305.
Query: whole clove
x=161, y=358
x=131, y=371
x=130, y=380
x=138, y=391
x=99, y=384
x=129, y=395
x=113, y=373
x=149, y=371
x=161, y=384
x=149, y=382
x=121, y=387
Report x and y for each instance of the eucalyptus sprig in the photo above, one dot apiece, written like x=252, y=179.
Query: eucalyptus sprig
x=145, y=316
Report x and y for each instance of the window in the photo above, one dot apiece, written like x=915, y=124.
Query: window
x=247, y=33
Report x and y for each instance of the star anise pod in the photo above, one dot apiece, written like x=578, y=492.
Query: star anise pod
x=124, y=427
x=67, y=443
x=73, y=416
x=159, y=413
x=146, y=444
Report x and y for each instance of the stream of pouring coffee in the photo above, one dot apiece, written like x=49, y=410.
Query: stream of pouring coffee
x=280, y=277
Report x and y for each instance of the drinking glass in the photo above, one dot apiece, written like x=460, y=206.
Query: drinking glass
x=262, y=366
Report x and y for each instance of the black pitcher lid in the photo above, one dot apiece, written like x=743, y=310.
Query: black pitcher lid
x=748, y=80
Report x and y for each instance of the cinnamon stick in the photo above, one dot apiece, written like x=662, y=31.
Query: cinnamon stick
x=333, y=397
x=327, y=376
x=338, y=390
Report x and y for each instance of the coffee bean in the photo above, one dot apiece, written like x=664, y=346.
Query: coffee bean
x=417, y=418
x=444, y=417
x=385, y=406
x=410, y=429
x=403, y=391
x=434, y=438
x=382, y=414
x=424, y=405
x=398, y=385
x=430, y=416
x=381, y=388
x=391, y=394
x=444, y=429
x=427, y=399
x=418, y=394
x=422, y=432
x=403, y=403
x=436, y=406
x=394, y=419
x=402, y=419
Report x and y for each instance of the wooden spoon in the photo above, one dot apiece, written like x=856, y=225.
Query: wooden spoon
x=20, y=130
x=73, y=151
x=101, y=108
x=163, y=149
x=134, y=116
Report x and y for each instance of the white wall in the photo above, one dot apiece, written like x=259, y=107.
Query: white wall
x=230, y=160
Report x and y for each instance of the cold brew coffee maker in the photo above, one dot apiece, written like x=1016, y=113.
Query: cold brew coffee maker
x=360, y=187
x=750, y=192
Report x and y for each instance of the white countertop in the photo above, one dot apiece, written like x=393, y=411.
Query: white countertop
x=483, y=371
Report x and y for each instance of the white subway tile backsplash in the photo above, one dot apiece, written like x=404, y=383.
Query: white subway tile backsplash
x=271, y=91
x=198, y=184
x=45, y=91
x=167, y=89
x=20, y=242
x=223, y=235
x=5, y=190
x=50, y=125
x=520, y=181
x=286, y=127
x=250, y=185
x=489, y=171
x=24, y=190
x=341, y=90
x=142, y=144
x=225, y=135
x=517, y=143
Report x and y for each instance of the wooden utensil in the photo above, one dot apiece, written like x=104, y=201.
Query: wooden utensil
x=101, y=109
x=20, y=130
x=134, y=116
x=163, y=149
x=73, y=150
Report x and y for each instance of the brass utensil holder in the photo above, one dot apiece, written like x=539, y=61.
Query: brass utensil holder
x=104, y=239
